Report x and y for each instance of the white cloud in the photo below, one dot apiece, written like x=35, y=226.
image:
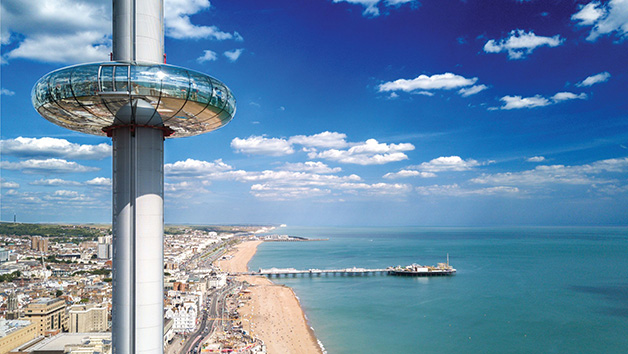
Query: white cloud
x=364, y=153
x=183, y=188
x=54, y=182
x=594, y=79
x=558, y=174
x=608, y=18
x=310, y=166
x=291, y=181
x=53, y=30
x=6, y=92
x=408, y=173
x=370, y=6
x=208, y=55
x=283, y=193
x=233, y=55
x=324, y=140
x=519, y=44
x=518, y=102
x=588, y=14
x=178, y=25
x=53, y=147
x=260, y=145
x=371, y=152
x=8, y=184
x=191, y=167
x=535, y=159
x=446, y=164
x=99, y=181
x=377, y=189
x=48, y=166
x=61, y=197
x=566, y=96
x=454, y=190
x=64, y=48
x=446, y=81
x=465, y=92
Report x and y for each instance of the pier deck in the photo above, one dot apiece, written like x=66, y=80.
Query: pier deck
x=294, y=272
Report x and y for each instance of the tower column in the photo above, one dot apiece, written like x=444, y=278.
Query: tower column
x=137, y=240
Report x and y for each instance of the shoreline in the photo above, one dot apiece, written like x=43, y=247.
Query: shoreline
x=273, y=312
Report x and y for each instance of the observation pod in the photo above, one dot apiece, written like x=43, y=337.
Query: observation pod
x=87, y=98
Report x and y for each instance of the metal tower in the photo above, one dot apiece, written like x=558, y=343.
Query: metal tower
x=137, y=101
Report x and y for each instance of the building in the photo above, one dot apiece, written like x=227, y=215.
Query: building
x=4, y=255
x=104, y=251
x=217, y=281
x=68, y=343
x=183, y=316
x=88, y=318
x=13, y=309
x=14, y=333
x=39, y=243
x=47, y=314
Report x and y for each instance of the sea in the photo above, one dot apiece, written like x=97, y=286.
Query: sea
x=517, y=290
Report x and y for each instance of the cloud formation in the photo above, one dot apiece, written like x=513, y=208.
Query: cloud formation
x=422, y=84
x=454, y=190
x=233, y=55
x=310, y=166
x=99, y=181
x=371, y=8
x=594, y=79
x=605, y=19
x=469, y=91
x=371, y=152
x=519, y=44
x=558, y=174
x=208, y=55
x=409, y=173
x=179, y=26
x=50, y=30
x=447, y=164
x=334, y=148
x=325, y=140
x=53, y=147
x=518, y=102
x=49, y=166
x=535, y=159
x=260, y=145
x=53, y=182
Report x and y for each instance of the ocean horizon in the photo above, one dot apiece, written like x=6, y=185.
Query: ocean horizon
x=517, y=289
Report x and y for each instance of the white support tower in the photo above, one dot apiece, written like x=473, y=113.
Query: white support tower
x=138, y=179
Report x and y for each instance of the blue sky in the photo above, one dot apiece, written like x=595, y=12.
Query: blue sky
x=349, y=112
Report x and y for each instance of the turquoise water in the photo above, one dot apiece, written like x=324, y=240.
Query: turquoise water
x=518, y=290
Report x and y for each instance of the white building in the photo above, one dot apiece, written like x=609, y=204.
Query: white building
x=217, y=281
x=183, y=316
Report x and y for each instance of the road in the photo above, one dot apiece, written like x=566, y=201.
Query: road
x=214, y=307
x=210, y=318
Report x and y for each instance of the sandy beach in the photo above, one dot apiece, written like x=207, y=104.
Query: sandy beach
x=274, y=312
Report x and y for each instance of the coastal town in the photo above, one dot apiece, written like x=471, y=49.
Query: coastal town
x=56, y=287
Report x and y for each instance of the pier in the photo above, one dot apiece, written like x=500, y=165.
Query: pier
x=278, y=272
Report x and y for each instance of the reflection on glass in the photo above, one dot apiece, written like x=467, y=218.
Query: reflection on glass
x=121, y=74
x=87, y=97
